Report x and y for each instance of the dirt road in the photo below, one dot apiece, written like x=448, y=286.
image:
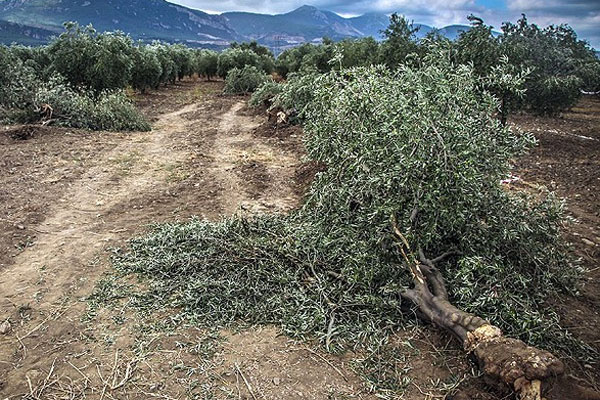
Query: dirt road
x=70, y=195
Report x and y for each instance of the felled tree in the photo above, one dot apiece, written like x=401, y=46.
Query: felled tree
x=410, y=211
x=419, y=154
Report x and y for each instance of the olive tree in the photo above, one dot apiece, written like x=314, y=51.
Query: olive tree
x=168, y=66
x=184, y=59
x=73, y=53
x=554, y=55
x=412, y=190
x=147, y=69
x=400, y=41
x=236, y=58
x=96, y=61
x=207, y=63
x=244, y=80
x=478, y=46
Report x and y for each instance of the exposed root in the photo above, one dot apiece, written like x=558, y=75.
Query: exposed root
x=509, y=361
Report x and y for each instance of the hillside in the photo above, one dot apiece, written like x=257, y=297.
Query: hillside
x=304, y=24
x=142, y=19
x=12, y=32
x=35, y=21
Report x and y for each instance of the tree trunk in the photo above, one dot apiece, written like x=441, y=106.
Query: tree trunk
x=523, y=368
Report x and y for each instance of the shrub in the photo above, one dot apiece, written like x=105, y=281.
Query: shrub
x=244, y=80
x=264, y=95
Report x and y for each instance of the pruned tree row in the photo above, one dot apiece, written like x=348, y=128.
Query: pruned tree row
x=81, y=75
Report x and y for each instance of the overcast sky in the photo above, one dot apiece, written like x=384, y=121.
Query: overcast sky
x=582, y=15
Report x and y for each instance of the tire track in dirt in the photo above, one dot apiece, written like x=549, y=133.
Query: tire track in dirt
x=41, y=291
x=75, y=230
x=236, y=148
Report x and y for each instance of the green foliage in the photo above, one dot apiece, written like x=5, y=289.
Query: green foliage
x=479, y=47
x=267, y=59
x=17, y=82
x=307, y=58
x=147, y=69
x=239, y=58
x=25, y=98
x=589, y=73
x=554, y=55
x=506, y=82
x=184, y=59
x=264, y=94
x=551, y=94
x=296, y=94
x=359, y=52
x=254, y=47
x=419, y=141
x=168, y=66
x=244, y=80
x=400, y=42
x=207, y=63
x=88, y=59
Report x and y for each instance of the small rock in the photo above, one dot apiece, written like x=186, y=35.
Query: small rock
x=276, y=381
x=5, y=328
x=588, y=242
x=21, y=227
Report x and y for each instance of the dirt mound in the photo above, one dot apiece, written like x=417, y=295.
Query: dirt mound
x=25, y=132
x=305, y=173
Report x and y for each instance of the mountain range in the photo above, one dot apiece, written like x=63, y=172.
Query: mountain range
x=34, y=22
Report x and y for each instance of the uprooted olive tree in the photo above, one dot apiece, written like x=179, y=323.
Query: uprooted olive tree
x=409, y=212
x=419, y=153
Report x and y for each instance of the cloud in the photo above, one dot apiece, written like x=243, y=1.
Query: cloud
x=582, y=15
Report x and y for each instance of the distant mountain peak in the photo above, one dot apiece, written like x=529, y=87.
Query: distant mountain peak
x=29, y=21
x=305, y=7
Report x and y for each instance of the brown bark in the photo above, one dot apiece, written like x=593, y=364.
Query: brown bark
x=523, y=368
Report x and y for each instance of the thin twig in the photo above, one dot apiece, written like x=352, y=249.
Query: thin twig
x=328, y=362
x=37, y=327
x=128, y=374
x=245, y=382
x=329, y=331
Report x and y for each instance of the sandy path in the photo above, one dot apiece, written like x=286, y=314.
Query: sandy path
x=235, y=147
x=50, y=353
x=74, y=230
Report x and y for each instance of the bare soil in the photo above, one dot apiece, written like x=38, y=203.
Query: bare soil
x=567, y=161
x=68, y=196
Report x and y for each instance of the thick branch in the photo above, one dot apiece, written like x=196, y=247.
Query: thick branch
x=506, y=360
